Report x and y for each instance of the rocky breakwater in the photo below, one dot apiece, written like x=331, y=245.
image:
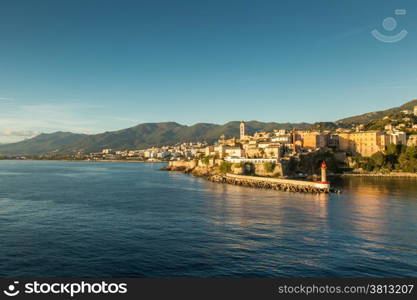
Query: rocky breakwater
x=272, y=183
x=213, y=171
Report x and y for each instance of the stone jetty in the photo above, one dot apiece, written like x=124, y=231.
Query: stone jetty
x=273, y=183
x=212, y=173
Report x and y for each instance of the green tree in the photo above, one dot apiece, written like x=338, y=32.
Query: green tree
x=269, y=167
x=225, y=167
x=408, y=159
x=206, y=160
x=378, y=159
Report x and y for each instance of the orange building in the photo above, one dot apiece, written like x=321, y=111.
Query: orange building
x=313, y=140
x=364, y=143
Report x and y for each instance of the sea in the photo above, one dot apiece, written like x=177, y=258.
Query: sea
x=115, y=219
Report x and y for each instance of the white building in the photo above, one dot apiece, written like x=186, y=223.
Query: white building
x=389, y=127
x=284, y=139
x=263, y=145
x=234, y=151
x=107, y=151
x=238, y=160
x=397, y=138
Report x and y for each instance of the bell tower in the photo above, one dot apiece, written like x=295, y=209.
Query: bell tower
x=242, y=130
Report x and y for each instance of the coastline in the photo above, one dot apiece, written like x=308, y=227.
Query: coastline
x=92, y=161
x=392, y=174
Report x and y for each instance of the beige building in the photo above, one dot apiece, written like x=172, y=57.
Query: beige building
x=259, y=136
x=314, y=140
x=364, y=143
x=415, y=110
x=263, y=145
x=252, y=151
x=272, y=151
x=223, y=150
x=234, y=151
x=209, y=150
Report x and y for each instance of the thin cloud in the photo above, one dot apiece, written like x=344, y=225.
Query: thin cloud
x=19, y=133
x=19, y=121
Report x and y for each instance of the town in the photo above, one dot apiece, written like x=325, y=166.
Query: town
x=378, y=145
x=280, y=147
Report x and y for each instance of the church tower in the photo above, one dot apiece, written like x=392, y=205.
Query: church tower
x=242, y=130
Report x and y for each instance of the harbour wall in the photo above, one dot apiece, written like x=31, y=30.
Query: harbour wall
x=272, y=183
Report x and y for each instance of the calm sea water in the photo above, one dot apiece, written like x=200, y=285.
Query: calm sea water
x=132, y=220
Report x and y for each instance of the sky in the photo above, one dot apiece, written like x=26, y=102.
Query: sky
x=95, y=66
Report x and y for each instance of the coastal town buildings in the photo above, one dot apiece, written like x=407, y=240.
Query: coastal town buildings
x=276, y=145
x=283, y=144
x=363, y=143
x=174, y=152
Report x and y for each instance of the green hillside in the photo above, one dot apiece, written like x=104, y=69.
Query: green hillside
x=43, y=143
x=360, y=119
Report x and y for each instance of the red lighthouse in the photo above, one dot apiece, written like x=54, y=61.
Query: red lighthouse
x=323, y=172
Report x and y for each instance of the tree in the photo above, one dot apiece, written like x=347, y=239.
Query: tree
x=408, y=159
x=225, y=167
x=378, y=159
x=269, y=167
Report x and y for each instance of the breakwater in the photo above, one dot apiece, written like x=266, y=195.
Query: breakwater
x=273, y=183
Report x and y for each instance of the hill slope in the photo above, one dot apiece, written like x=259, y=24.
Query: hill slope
x=378, y=114
x=43, y=143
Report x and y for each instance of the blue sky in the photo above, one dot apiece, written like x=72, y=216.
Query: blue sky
x=92, y=66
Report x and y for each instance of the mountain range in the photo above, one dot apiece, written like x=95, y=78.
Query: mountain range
x=166, y=133
x=137, y=137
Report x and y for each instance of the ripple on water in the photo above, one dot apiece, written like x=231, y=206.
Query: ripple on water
x=131, y=220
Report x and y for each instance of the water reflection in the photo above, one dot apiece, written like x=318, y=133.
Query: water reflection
x=371, y=217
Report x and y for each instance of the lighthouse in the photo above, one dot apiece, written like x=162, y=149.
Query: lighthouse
x=323, y=183
x=323, y=172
